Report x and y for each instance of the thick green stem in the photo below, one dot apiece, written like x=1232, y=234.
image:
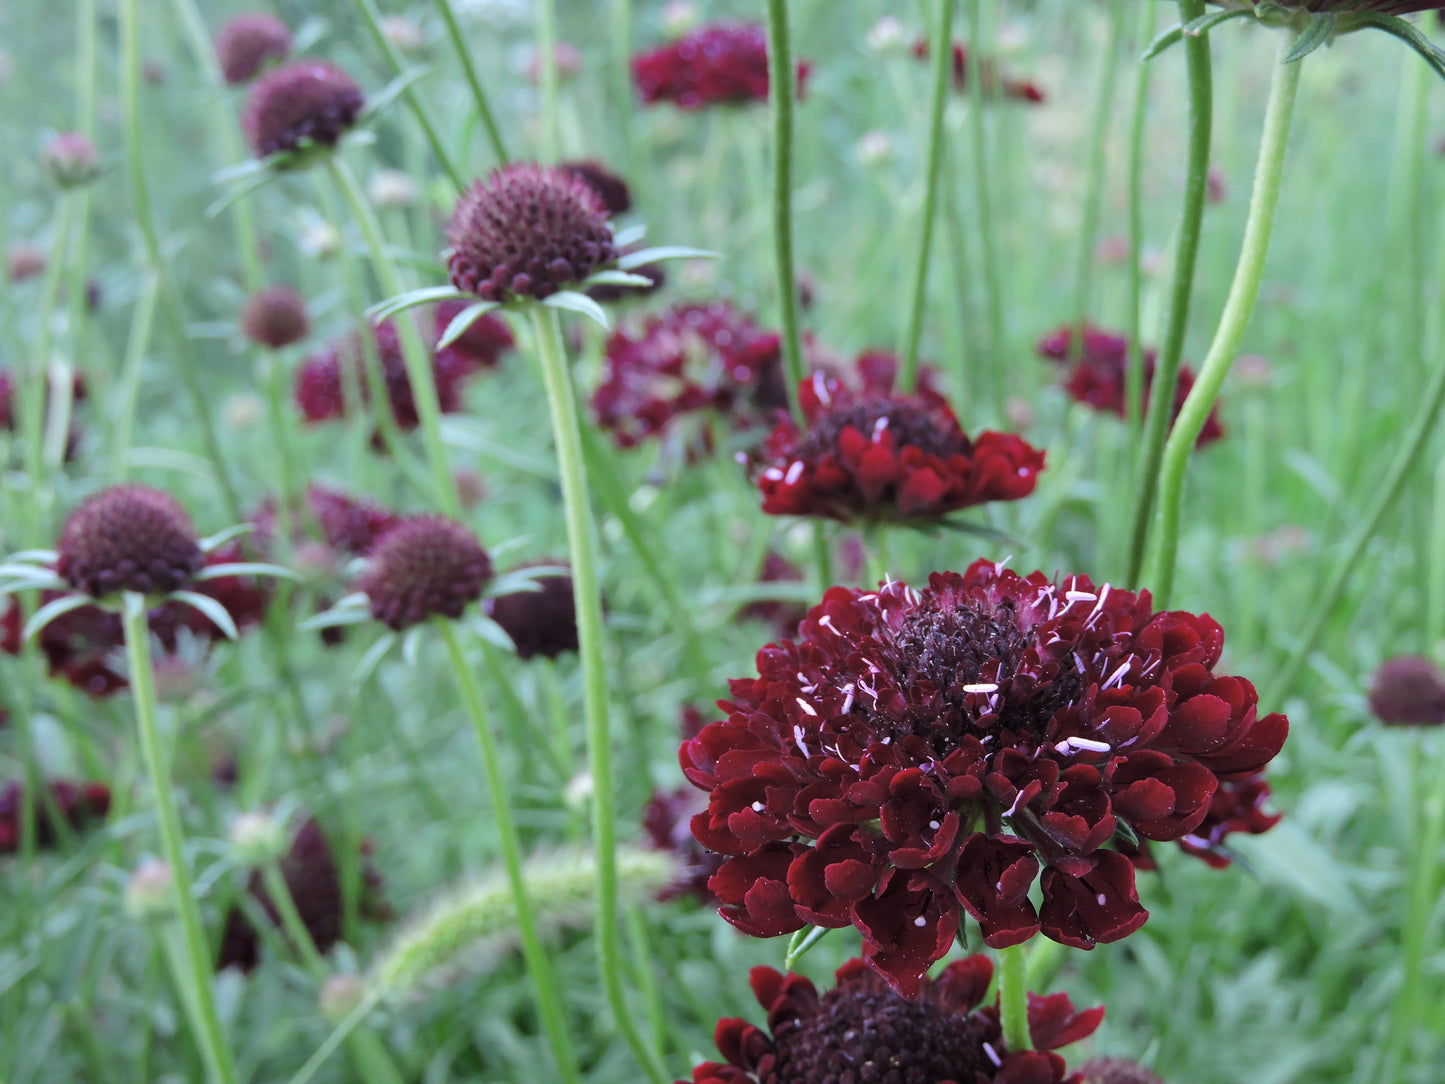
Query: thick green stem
x=1134, y=375
x=983, y=197
x=206, y=1023
x=1013, y=998
x=1238, y=309
x=539, y=966
x=479, y=93
x=587, y=598
x=1166, y=372
x=942, y=46
x=1094, y=177
x=414, y=351
x=783, y=91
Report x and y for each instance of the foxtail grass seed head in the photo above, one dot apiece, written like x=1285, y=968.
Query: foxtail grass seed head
x=424, y=567
x=527, y=231
x=248, y=43
x=70, y=160
x=308, y=103
x=128, y=538
x=275, y=316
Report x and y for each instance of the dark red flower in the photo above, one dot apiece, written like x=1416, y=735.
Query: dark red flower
x=77, y=803
x=1096, y=374
x=275, y=317
x=993, y=82
x=128, y=538
x=248, y=42
x=611, y=189
x=783, y=616
x=716, y=64
x=1408, y=691
x=539, y=622
x=1116, y=1071
x=862, y=1031
x=665, y=820
x=425, y=566
x=687, y=359
x=918, y=752
x=10, y=627
x=351, y=525
x=314, y=882
x=479, y=347
x=527, y=231
x=870, y=454
x=305, y=103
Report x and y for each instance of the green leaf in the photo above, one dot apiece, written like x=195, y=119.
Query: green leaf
x=246, y=568
x=483, y=626
x=212, y=609
x=525, y=579
x=1172, y=36
x=393, y=90
x=1317, y=32
x=463, y=320
x=665, y=252
x=616, y=278
x=803, y=941
x=220, y=538
x=411, y=645
x=629, y=236
x=1406, y=32
x=371, y=660
x=50, y=611
x=351, y=610
x=1205, y=23
x=251, y=183
x=427, y=295
x=38, y=557
x=572, y=301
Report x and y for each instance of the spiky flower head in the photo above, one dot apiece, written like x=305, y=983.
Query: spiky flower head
x=527, y=231
x=540, y=622
x=128, y=538
x=425, y=566
x=1409, y=691
x=298, y=105
x=70, y=160
x=611, y=189
x=1117, y=1071
x=862, y=1031
x=275, y=316
x=248, y=43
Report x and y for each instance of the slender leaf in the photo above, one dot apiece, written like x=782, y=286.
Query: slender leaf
x=371, y=660
x=629, y=236
x=213, y=610
x=427, y=295
x=463, y=320
x=665, y=252
x=247, y=568
x=572, y=301
x=50, y=611
x=1317, y=32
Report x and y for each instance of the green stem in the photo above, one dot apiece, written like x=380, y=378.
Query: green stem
x=878, y=559
x=205, y=1022
x=587, y=598
x=1094, y=176
x=983, y=195
x=620, y=23
x=547, y=76
x=1166, y=373
x=414, y=351
x=1013, y=997
x=137, y=342
x=780, y=76
x=822, y=557
x=539, y=966
x=1134, y=375
x=942, y=46
x=397, y=63
x=1238, y=308
x=479, y=94
x=37, y=379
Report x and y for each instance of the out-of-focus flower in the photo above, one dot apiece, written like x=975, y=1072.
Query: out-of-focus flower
x=1408, y=690
x=481, y=346
x=308, y=103
x=783, y=616
x=425, y=566
x=1216, y=185
x=402, y=32
x=275, y=316
x=994, y=82
x=23, y=261
x=716, y=64
x=70, y=160
x=77, y=803
x=566, y=57
x=873, y=147
x=1117, y=1071
x=887, y=35
x=128, y=538
x=611, y=189
x=539, y=622
x=391, y=188
x=677, y=17
x=248, y=43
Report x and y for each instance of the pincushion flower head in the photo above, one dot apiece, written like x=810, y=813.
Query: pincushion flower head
x=859, y=1030
x=916, y=754
x=128, y=538
x=542, y=621
x=870, y=454
x=310, y=103
x=249, y=42
x=716, y=64
x=1408, y=691
x=425, y=566
x=275, y=316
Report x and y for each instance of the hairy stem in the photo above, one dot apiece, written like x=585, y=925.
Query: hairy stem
x=1013, y=997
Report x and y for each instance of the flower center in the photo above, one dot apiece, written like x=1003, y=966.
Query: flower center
x=862, y=1036
x=911, y=423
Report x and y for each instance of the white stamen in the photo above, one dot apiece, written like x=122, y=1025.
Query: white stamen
x=1011, y=810
x=795, y=471
x=934, y=825
x=878, y=427
x=1074, y=745
x=820, y=388
x=985, y=687
x=1080, y=596
x=758, y=807
x=920, y=921
x=798, y=738
x=827, y=622
x=1103, y=899
x=807, y=707
x=1117, y=675
x=848, y=700
x=772, y=474
x=992, y=1054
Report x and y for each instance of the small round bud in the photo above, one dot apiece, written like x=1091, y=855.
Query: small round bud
x=873, y=147
x=275, y=317
x=578, y=791
x=243, y=411
x=258, y=839
x=678, y=17
x=248, y=43
x=306, y=103
x=540, y=622
x=391, y=188
x=1409, y=691
x=151, y=891
x=340, y=994
x=70, y=160
x=128, y=538
x=424, y=567
x=887, y=35
x=320, y=240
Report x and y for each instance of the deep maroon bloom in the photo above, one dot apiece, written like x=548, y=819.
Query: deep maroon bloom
x=1238, y=805
x=308, y=102
x=687, y=359
x=247, y=43
x=871, y=454
x=862, y=1031
x=10, y=627
x=915, y=753
x=351, y=525
x=666, y=820
x=783, y=616
x=275, y=317
x=717, y=64
x=539, y=622
x=611, y=189
x=1096, y=374
x=77, y=803
x=993, y=82
x=1408, y=691
x=479, y=347
x=425, y=566
x=1117, y=1071
x=527, y=231
x=314, y=882
x=128, y=538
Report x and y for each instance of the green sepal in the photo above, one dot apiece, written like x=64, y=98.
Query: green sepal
x=1318, y=31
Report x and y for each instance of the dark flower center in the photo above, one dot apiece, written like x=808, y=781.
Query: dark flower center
x=909, y=422
x=865, y=1036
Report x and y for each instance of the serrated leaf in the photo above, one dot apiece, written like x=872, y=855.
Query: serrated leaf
x=371, y=660
x=50, y=611
x=1317, y=32
x=572, y=301
x=427, y=295
x=463, y=320
x=664, y=252
x=246, y=568
x=213, y=610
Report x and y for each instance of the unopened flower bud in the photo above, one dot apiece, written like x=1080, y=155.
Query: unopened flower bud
x=340, y=994
x=150, y=892
x=70, y=160
x=258, y=839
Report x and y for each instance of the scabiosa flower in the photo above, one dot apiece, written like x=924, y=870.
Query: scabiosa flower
x=665, y=820
x=425, y=566
x=992, y=81
x=128, y=538
x=1097, y=369
x=306, y=103
x=248, y=43
x=875, y=455
x=539, y=622
x=77, y=803
x=689, y=358
x=611, y=189
x=70, y=160
x=1117, y=1071
x=481, y=346
x=1408, y=691
x=867, y=775
x=275, y=316
x=1237, y=806
x=717, y=64
x=351, y=525
x=527, y=231
x=862, y=1031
